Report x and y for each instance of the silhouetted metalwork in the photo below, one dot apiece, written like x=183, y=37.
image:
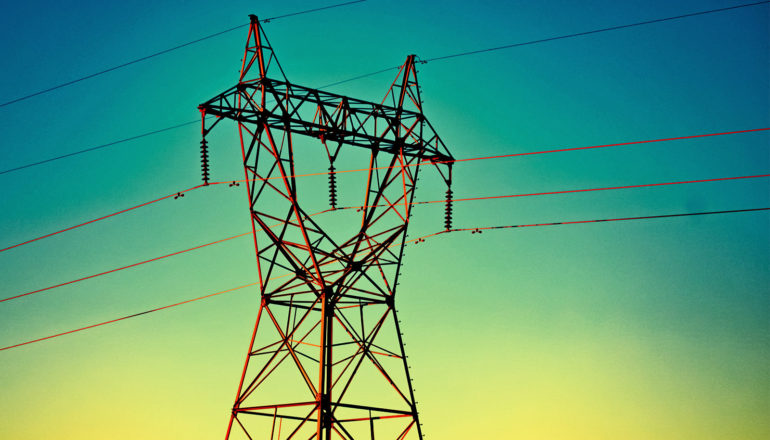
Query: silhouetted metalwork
x=326, y=358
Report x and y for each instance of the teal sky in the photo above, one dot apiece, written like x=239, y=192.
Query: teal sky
x=637, y=330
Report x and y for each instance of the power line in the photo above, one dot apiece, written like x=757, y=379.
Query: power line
x=365, y=75
x=373, y=206
x=573, y=191
x=367, y=169
x=125, y=267
x=529, y=153
x=595, y=31
x=577, y=222
x=171, y=49
x=149, y=133
x=322, y=8
x=544, y=40
x=129, y=316
x=620, y=144
x=414, y=240
x=380, y=168
x=122, y=211
x=106, y=272
x=74, y=153
x=424, y=61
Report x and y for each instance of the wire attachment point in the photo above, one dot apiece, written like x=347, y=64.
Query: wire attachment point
x=332, y=187
x=448, y=210
x=205, y=161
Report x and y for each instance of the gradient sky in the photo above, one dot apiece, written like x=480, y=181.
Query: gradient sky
x=653, y=329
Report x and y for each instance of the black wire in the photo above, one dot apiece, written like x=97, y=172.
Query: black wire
x=359, y=77
x=645, y=217
x=102, y=72
x=268, y=20
x=378, y=71
x=595, y=31
x=165, y=51
x=21, y=167
x=100, y=146
x=561, y=37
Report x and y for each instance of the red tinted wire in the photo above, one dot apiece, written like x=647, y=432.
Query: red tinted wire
x=569, y=191
x=359, y=207
x=124, y=267
x=102, y=218
x=597, y=189
x=129, y=316
x=378, y=168
x=501, y=156
x=414, y=203
x=477, y=229
x=560, y=150
x=141, y=262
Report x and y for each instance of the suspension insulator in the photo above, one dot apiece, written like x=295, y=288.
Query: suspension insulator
x=332, y=187
x=205, y=162
x=448, y=210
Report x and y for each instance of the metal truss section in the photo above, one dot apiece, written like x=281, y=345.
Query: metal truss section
x=316, y=113
x=326, y=358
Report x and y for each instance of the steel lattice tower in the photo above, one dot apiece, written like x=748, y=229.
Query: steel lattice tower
x=326, y=358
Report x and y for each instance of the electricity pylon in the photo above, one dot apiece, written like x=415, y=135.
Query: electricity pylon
x=326, y=358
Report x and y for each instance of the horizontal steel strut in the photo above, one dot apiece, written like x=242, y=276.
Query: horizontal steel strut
x=348, y=120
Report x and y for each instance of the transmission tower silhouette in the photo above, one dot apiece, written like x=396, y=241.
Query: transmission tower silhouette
x=326, y=358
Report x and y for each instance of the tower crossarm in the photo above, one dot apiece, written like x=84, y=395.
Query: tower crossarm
x=330, y=117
